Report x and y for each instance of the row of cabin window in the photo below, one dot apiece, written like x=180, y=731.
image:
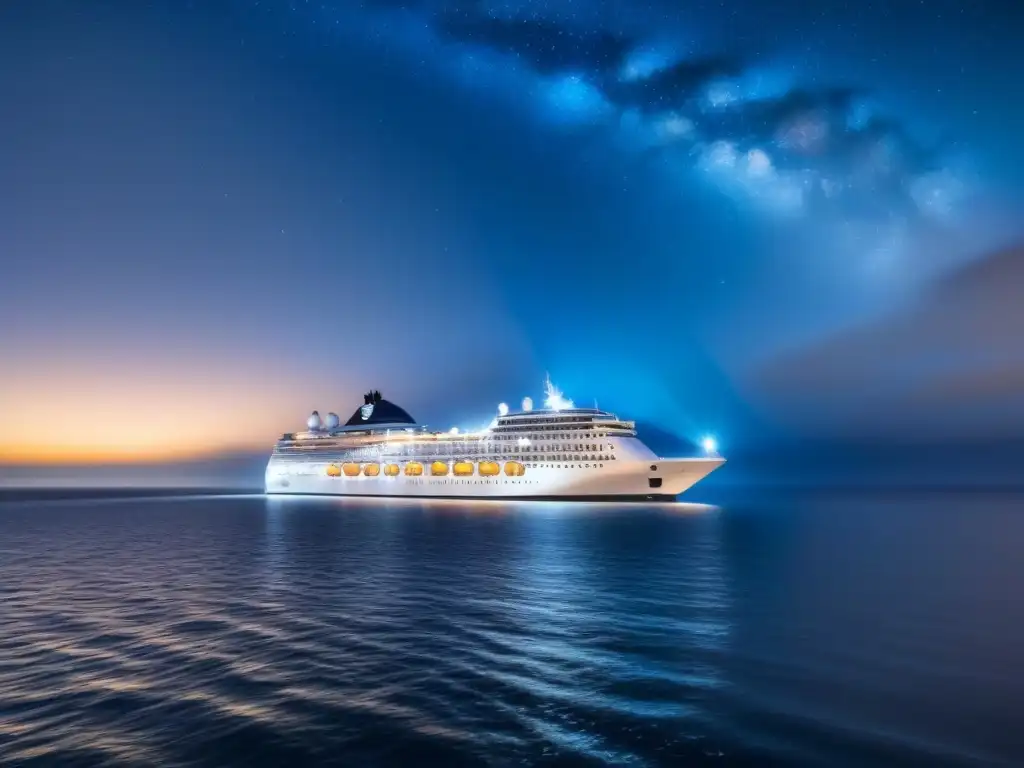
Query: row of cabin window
x=593, y=465
x=438, y=450
x=478, y=449
x=558, y=436
x=530, y=461
x=502, y=438
x=575, y=447
x=447, y=450
x=566, y=457
x=563, y=420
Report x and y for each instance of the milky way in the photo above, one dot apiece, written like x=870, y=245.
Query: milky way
x=772, y=134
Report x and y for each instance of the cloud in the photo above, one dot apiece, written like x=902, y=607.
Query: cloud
x=819, y=154
x=826, y=151
x=819, y=148
x=674, y=87
x=951, y=366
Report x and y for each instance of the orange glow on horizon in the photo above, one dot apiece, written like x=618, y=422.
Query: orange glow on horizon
x=164, y=412
x=59, y=455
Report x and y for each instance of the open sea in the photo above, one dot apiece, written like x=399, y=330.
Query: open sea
x=786, y=629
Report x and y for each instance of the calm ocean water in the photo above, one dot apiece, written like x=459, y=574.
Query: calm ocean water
x=817, y=629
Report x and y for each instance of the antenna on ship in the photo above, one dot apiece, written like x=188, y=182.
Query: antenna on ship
x=553, y=398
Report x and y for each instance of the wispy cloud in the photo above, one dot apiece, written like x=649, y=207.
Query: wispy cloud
x=951, y=364
x=825, y=149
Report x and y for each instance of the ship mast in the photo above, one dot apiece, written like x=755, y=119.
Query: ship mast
x=553, y=398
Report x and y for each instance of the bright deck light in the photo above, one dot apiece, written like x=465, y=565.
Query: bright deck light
x=553, y=397
x=709, y=444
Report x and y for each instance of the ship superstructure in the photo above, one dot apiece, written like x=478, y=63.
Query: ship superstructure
x=558, y=451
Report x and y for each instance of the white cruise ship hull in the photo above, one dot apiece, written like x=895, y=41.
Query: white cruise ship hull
x=657, y=479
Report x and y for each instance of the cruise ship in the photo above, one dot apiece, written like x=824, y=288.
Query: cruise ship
x=558, y=451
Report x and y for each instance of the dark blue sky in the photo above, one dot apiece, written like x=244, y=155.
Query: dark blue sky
x=219, y=215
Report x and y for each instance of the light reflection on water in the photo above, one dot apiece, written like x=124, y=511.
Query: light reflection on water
x=252, y=630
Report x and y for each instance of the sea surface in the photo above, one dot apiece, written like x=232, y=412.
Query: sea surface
x=827, y=628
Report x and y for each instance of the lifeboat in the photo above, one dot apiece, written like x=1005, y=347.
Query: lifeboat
x=333, y=470
x=414, y=468
x=350, y=469
x=392, y=470
x=439, y=469
x=371, y=470
x=462, y=469
x=514, y=469
x=489, y=468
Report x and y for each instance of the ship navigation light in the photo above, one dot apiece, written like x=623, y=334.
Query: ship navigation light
x=709, y=444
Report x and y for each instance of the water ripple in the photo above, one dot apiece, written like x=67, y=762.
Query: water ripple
x=246, y=631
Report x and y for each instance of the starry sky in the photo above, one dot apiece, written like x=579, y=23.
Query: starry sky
x=764, y=221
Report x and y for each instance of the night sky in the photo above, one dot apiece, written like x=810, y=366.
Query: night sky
x=748, y=219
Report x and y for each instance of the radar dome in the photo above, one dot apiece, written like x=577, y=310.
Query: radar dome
x=527, y=403
x=333, y=421
x=313, y=422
